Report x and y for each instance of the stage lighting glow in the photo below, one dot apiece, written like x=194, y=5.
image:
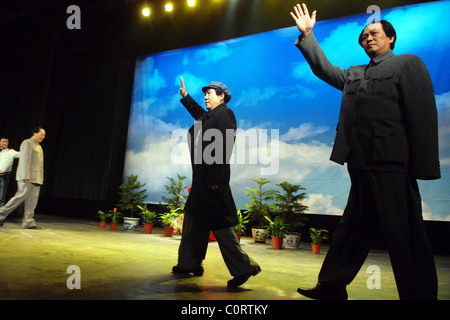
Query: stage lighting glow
x=168, y=7
x=146, y=12
x=191, y=3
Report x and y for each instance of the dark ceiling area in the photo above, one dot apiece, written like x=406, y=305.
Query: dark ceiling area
x=118, y=26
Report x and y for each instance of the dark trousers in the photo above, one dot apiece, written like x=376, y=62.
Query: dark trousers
x=389, y=202
x=194, y=244
x=4, y=182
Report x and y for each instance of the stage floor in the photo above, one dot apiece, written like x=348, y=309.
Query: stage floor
x=129, y=265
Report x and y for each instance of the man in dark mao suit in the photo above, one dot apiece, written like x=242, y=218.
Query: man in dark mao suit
x=388, y=136
x=210, y=205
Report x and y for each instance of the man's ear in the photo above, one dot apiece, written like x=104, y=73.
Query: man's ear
x=222, y=97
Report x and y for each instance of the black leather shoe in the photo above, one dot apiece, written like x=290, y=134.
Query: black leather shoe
x=198, y=272
x=34, y=228
x=323, y=291
x=240, y=280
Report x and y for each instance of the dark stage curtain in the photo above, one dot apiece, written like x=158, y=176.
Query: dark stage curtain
x=52, y=78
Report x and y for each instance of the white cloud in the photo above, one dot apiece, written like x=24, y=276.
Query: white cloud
x=443, y=107
x=345, y=51
x=305, y=130
x=151, y=78
x=255, y=96
x=321, y=204
x=214, y=54
x=443, y=101
x=154, y=163
x=417, y=19
x=429, y=215
x=302, y=70
x=165, y=148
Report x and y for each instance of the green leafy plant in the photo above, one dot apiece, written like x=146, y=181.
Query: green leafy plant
x=318, y=235
x=259, y=208
x=240, y=228
x=132, y=195
x=168, y=218
x=102, y=216
x=289, y=205
x=176, y=198
x=277, y=227
x=115, y=215
x=147, y=215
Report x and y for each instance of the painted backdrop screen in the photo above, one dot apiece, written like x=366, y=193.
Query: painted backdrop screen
x=286, y=116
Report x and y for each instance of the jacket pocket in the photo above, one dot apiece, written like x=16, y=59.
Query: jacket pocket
x=381, y=85
x=352, y=85
x=389, y=148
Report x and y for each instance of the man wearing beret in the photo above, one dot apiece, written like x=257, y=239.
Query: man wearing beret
x=388, y=136
x=210, y=205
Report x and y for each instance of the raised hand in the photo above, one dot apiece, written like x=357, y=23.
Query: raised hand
x=183, y=91
x=304, y=21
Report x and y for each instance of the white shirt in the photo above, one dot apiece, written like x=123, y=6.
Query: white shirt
x=7, y=159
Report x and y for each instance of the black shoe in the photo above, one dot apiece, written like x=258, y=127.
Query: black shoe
x=323, y=291
x=240, y=280
x=197, y=272
x=34, y=228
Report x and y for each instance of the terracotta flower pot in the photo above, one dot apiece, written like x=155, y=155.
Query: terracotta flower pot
x=148, y=227
x=315, y=248
x=102, y=224
x=113, y=226
x=238, y=235
x=168, y=231
x=277, y=242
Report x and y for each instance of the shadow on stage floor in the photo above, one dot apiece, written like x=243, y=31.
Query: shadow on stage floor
x=131, y=265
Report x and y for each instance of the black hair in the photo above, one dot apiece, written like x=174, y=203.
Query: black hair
x=36, y=130
x=387, y=28
x=219, y=92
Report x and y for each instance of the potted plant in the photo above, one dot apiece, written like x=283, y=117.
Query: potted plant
x=178, y=224
x=132, y=195
x=290, y=208
x=167, y=220
x=240, y=227
x=176, y=199
x=114, y=215
x=277, y=229
x=258, y=208
x=103, y=217
x=149, y=218
x=317, y=236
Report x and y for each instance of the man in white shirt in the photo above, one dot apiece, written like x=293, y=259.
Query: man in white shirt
x=7, y=157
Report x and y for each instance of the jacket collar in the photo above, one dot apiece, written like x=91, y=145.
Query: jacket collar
x=382, y=57
x=209, y=114
x=34, y=141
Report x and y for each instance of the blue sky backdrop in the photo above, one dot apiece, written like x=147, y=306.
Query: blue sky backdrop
x=273, y=88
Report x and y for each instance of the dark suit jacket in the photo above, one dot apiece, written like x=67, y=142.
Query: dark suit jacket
x=388, y=116
x=211, y=141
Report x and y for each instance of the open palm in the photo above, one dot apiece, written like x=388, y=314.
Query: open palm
x=304, y=21
x=183, y=91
